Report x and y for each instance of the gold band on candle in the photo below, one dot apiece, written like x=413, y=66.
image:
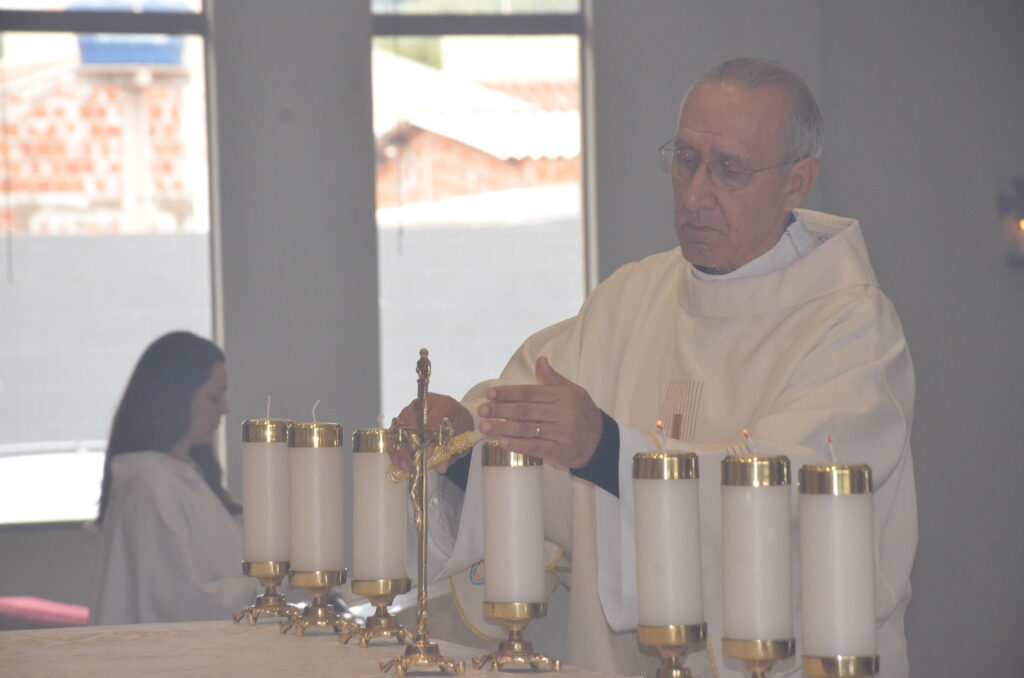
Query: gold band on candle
x=755, y=471
x=496, y=455
x=671, y=636
x=514, y=611
x=318, y=434
x=318, y=578
x=841, y=666
x=266, y=431
x=666, y=466
x=371, y=440
x=371, y=588
x=274, y=568
x=835, y=479
x=759, y=650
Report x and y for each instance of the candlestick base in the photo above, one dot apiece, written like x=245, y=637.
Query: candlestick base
x=758, y=656
x=270, y=603
x=318, y=613
x=381, y=593
x=515, y=650
x=841, y=666
x=422, y=653
x=674, y=643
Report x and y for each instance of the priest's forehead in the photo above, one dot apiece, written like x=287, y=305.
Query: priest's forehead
x=730, y=120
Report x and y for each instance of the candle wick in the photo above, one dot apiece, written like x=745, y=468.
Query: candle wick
x=268, y=408
x=315, y=405
x=750, y=442
x=380, y=421
x=660, y=426
x=831, y=449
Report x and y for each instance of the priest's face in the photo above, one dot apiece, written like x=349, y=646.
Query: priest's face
x=729, y=216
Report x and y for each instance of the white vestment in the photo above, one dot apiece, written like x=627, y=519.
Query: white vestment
x=794, y=355
x=170, y=550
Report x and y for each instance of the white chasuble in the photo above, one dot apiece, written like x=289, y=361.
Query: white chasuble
x=793, y=355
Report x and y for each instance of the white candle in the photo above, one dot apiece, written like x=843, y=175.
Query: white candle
x=265, y=490
x=756, y=556
x=378, y=507
x=667, y=512
x=837, y=561
x=317, y=520
x=513, y=527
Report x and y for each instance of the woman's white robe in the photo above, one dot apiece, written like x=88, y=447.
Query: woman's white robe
x=170, y=551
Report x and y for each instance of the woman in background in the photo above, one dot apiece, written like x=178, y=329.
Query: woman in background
x=171, y=544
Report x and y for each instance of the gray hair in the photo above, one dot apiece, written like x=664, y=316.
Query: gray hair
x=804, y=129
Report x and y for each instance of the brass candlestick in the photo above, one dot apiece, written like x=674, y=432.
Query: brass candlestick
x=319, y=612
x=421, y=652
x=515, y=650
x=673, y=644
x=382, y=624
x=758, y=656
x=270, y=603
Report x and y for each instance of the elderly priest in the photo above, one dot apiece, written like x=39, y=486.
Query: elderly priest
x=768, y=318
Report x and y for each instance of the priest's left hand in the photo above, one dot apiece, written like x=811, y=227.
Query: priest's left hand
x=554, y=419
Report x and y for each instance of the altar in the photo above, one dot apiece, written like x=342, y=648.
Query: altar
x=213, y=648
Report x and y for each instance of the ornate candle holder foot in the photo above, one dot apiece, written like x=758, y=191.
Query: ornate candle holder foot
x=382, y=624
x=515, y=650
x=841, y=666
x=422, y=653
x=674, y=643
x=318, y=613
x=270, y=603
x=758, y=656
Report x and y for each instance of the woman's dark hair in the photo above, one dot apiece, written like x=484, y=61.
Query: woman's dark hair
x=156, y=407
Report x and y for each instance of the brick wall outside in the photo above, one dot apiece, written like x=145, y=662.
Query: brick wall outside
x=435, y=167
x=65, y=160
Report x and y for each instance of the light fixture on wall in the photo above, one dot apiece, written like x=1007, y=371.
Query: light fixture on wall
x=1011, y=219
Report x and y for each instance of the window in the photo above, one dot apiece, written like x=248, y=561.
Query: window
x=477, y=120
x=104, y=228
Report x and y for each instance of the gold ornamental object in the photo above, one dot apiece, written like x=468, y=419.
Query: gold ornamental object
x=515, y=650
x=835, y=479
x=673, y=644
x=758, y=656
x=421, y=652
x=841, y=666
x=381, y=593
x=755, y=471
x=270, y=603
x=319, y=612
x=666, y=466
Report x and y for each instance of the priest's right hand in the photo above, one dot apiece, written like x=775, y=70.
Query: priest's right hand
x=439, y=407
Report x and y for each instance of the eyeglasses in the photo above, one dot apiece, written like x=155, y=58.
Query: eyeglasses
x=683, y=163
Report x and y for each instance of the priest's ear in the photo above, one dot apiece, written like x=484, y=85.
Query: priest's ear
x=799, y=182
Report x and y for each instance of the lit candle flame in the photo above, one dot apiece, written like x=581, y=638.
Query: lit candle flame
x=1020, y=225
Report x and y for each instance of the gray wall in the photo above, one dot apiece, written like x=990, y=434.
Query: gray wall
x=923, y=108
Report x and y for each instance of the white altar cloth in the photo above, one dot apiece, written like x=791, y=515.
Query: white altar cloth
x=212, y=648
